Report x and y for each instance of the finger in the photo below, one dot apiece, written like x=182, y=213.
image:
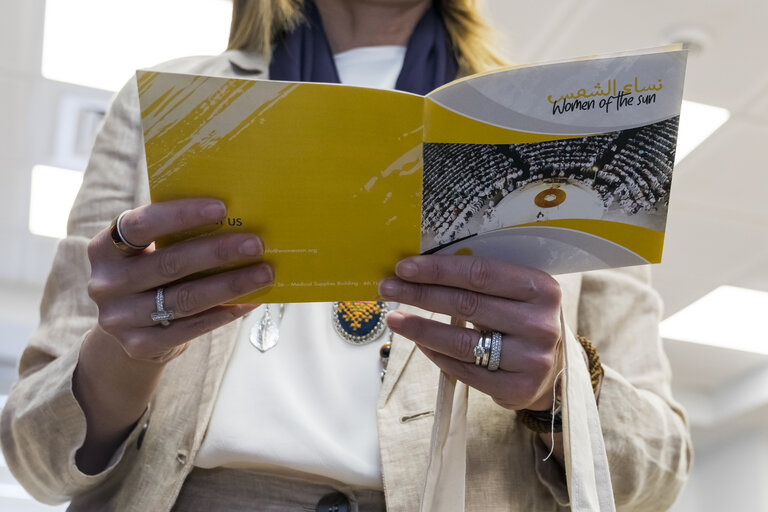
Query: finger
x=186, y=299
x=191, y=298
x=161, y=344
x=186, y=258
x=145, y=224
x=489, y=277
x=459, y=343
x=515, y=389
x=456, y=342
x=532, y=321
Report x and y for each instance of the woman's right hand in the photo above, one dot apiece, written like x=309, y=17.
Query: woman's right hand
x=124, y=283
x=121, y=359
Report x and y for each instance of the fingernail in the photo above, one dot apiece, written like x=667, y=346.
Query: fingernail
x=388, y=288
x=214, y=211
x=251, y=247
x=406, y=268
x=263, y=273
x=395, y=319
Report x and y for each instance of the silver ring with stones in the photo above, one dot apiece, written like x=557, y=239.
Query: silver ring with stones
x=161, y=315
x=495, y=358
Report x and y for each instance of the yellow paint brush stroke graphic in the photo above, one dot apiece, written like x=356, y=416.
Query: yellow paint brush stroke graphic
x=333, y=189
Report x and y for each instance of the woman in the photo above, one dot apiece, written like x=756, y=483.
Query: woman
x=124, y=406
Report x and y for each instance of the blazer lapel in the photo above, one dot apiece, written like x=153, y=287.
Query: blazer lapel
x=220, y=345
x=402, y=350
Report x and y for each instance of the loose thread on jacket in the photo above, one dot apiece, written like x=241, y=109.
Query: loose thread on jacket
x=554, y=411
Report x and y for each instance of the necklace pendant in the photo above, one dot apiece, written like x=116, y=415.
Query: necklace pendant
x=265, y=334
x=359, y=322
x=384, y=352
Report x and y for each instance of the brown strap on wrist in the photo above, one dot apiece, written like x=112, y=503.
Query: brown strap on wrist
x=596, y=371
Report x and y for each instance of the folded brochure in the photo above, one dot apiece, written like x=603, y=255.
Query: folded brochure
x=563, y=166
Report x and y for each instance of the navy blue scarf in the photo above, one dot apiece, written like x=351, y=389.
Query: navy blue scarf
x=305, y=54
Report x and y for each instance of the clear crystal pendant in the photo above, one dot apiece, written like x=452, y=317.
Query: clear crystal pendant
x=266, y=332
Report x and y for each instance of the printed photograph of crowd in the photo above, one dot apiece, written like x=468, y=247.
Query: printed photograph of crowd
x=622, y=176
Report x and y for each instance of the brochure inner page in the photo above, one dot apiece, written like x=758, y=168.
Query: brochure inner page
x=564, y=167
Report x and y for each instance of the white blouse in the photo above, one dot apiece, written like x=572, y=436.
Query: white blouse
x=308, y=405
x=371, y=66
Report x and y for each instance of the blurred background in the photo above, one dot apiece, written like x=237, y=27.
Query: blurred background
x=62, y=60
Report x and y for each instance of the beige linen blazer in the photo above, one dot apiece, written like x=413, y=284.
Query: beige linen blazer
x=42, y=426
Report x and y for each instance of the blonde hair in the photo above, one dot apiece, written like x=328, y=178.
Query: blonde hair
x=256, y=23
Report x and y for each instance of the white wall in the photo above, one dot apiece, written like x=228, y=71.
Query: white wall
x=26, y=114
x=730, y=475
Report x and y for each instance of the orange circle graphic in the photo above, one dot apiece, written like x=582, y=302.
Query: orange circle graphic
x=549, y=198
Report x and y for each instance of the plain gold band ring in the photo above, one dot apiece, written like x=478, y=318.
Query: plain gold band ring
x=119, y=241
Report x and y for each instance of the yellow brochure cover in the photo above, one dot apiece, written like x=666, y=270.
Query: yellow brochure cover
x=564, y=166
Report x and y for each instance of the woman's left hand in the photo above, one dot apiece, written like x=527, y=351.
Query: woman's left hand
x=520, y=302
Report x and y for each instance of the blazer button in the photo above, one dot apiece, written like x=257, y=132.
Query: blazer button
x=333, y=502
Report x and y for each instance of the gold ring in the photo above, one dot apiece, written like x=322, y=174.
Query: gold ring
x=119, y=241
